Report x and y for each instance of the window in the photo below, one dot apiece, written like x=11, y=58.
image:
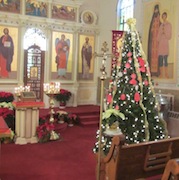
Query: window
x=125, y=10
x=34, y=36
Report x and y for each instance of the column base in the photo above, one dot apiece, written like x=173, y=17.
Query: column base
x=33, y=140
x=20, y=140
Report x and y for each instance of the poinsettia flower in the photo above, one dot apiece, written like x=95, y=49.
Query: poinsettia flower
x=133, y=82
x=72, y=116
x=5, y=112
x=63, y=96
x=129, y=54
x=127, y=65
x=123, y=97
x=6, y=97
x=142, y=69
x=141, y=61
x=114, y=112
x=137, y=97
x=133, y=76
x=117, y=107
x=109, y=98
x=146, y=83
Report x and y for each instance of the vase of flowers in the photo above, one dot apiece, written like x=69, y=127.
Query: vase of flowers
x=63, y=97
x=72, y=119
x=62, y=116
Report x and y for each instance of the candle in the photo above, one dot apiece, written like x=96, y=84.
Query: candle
x=53, y=87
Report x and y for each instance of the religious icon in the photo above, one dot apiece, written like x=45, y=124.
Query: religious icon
x=33, y=72
x=10, y=6
x=88, y=17
x=62, y=48
x=86, y=60
x=8, y=53
x=35, y=8
x=63, y=12
x=159, y=39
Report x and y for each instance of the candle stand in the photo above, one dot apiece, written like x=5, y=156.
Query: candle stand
x=53, y=134
x=51, y=90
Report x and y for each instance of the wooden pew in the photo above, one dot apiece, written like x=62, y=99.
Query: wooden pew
x=137, y=161
x=171, y=170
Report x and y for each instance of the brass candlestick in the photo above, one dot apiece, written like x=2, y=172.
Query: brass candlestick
x=51, y=90
x=104, y=55
x=53, y=134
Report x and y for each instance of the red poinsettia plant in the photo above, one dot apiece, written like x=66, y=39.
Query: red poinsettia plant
x=73, y=118
x=44, y=129
x=63, y=96
x=6, y=97
x=7, y=109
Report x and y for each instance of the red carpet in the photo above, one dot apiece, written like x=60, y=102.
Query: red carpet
x=68, y=159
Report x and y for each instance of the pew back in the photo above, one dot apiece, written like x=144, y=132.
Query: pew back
x=130, y=162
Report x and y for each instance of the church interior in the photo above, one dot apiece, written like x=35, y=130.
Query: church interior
x=89, y=89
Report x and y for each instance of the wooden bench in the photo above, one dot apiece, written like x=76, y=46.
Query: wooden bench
x=171, y=170
x=137, y=161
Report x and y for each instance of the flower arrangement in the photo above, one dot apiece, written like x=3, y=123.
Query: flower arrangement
x=7, y=112
x=44, y=129
x=73, y=119
x=6, y=97
x=69, y=118
x=111, y=115
x=9, y=117
x=62, y=116
x=63, y=96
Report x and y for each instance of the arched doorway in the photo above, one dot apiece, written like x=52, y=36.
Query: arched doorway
x=34, y=57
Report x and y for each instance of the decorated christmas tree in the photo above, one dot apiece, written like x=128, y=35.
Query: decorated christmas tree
x=131, y=103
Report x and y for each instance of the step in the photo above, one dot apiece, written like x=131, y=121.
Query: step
x=89, y=119
x=79, y=114
x=89, y=123
x=89, y=116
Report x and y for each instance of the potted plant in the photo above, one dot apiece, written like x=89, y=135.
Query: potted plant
x=63, y=97
x=45, y=129
x=72, y=119
x=6, y=97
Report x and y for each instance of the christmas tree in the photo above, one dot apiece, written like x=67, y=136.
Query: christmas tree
x=131, y=103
